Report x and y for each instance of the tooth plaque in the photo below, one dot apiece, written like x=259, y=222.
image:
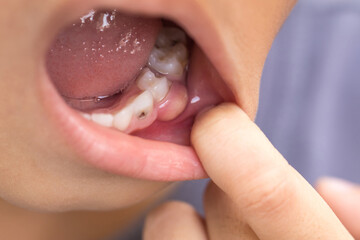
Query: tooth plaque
x=168, y=59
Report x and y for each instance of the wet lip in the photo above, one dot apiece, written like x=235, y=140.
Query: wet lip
x=119, y=153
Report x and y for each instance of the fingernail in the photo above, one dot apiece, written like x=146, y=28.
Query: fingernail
x=337, y=185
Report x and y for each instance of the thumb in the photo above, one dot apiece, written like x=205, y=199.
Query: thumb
x=275, y=201
x=344, y=198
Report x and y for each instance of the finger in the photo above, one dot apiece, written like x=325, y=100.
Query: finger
x=174, y=221
x=344, y=198
x=273, y=198
x=223, y=221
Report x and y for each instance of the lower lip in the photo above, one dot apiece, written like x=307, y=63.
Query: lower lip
x=128, y=155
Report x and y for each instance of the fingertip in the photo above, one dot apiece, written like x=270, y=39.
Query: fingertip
x=160, y=216
x=238, y=157
x=225, y=136
x=214, y=121
x=343, y=197
x=174, y=220
x=330, y=185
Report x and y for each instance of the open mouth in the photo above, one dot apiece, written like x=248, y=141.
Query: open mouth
x=125, y=91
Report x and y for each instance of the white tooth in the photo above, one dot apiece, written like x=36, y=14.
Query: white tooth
x=169, y=61
x=123, y=118
x=159, y=87
x=102, y=119
x=86, y=116
x=181, y=52
x=142, y=105
x=146, y=79
x=170, y=35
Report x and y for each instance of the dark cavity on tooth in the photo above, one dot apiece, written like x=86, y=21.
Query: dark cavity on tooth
x=142, y=115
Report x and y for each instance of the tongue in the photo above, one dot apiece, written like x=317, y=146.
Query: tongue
x=100, y=54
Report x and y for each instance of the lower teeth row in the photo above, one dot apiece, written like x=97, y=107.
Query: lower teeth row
x=168, y=59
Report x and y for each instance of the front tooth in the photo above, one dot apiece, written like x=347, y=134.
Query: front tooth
x=143, y=105
x=123, y=118
x=169, y=61
x=102, y=119
x=159, y=87
x=169, y=36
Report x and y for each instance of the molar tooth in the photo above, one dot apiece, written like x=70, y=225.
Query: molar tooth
x=146, y=79
x=122, y=119
x=159, y=87
x=103, y=119
x=169, y=61
x=143, y=105
x=169, y=36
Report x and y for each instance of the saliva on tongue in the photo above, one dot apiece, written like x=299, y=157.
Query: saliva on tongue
x=100, y=55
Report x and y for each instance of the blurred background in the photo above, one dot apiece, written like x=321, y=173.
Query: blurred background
x=310, y=95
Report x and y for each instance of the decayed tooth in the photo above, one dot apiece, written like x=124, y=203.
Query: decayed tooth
x=102, y=119
x=159, y=87
x=123, y=118
x=140, y=107
x=169, y=61
x=143, y=105
x=169, y=36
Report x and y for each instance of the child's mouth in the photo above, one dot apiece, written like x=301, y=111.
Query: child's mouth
x=133, y=87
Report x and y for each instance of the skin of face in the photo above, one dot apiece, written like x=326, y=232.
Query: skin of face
x=38, y=168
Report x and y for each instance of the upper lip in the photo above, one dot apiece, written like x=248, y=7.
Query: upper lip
x=158, y=161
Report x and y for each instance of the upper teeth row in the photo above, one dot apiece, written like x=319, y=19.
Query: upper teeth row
x=169, y=58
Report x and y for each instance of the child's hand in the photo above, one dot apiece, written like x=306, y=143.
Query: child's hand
x=255, y=193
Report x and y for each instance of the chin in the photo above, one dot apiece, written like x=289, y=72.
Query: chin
x=95, y=192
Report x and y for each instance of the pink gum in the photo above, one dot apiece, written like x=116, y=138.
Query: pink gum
x=174, y=104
